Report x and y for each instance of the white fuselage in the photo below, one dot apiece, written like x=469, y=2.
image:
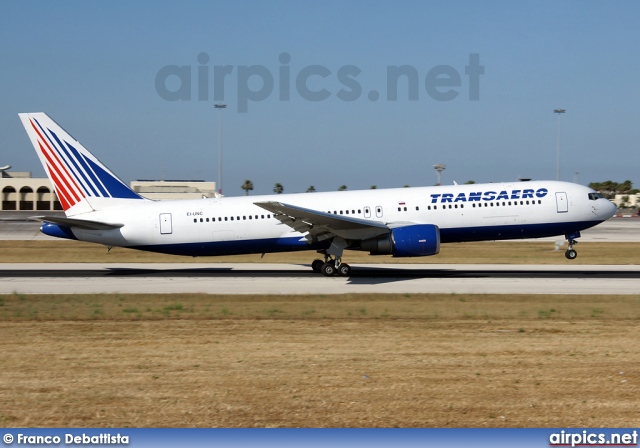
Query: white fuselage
x=234, y=225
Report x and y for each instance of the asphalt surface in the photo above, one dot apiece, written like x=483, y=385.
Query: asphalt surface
x=93, y=278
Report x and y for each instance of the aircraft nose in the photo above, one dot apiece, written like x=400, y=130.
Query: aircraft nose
x=609, y=208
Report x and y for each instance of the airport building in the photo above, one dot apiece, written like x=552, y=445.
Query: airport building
x=21, y=192
x=627, y=200
x=174, y=189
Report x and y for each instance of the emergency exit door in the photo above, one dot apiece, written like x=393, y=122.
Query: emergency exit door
x=165, y=223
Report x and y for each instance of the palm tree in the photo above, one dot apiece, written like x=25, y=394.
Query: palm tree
x=311, y=189
x=342, y=187
x=278, y=188
x=625, y=186
x=247, y=186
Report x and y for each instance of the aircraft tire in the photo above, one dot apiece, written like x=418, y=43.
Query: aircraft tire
x=317, y=266
x=571, y=254
x=344, y=270
x=329, y=269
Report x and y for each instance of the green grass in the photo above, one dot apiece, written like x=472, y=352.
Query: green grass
x=432, y=307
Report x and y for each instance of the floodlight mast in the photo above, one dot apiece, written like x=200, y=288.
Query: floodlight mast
x=220, y=107
x=558, y=111
x=439, y=169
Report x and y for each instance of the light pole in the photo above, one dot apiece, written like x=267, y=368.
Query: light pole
x=558, y=111
x=439, y=169
x=220, y=107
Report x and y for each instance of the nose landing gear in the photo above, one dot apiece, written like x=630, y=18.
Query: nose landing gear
x=570, y=253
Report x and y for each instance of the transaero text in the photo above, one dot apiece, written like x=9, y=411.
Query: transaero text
x=489, y=195
x=73, y=439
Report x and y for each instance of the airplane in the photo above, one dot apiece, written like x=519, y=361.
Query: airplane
x=402, y=222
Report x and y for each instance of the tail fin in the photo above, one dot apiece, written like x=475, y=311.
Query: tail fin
x=76, y=174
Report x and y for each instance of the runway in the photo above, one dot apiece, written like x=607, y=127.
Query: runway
x=92, y=278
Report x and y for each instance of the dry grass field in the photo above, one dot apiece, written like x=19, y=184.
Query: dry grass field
x=327, y=361
x=67, y=251
x=428, y=360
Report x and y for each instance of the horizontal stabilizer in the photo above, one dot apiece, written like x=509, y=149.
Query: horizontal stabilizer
x=83, y=224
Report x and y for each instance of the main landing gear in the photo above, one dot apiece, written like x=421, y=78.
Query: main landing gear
x=331, y=267
x=570, y=253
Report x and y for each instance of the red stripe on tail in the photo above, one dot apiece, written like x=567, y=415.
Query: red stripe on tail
x=62, y=186
x=66, y=177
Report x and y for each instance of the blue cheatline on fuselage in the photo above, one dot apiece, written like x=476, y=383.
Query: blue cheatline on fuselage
x=452, y=235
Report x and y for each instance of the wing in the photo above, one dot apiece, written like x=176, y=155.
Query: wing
x=319, y=226
x=78, y=223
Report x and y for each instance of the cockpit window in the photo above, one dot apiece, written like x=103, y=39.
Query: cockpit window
x=595, y=196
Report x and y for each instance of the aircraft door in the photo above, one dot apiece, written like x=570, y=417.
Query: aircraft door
x=561, y=202
x=378, y=211
x=165, y=224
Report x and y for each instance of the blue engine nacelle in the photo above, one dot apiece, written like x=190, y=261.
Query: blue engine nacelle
x=57, y=230
x=417, y=240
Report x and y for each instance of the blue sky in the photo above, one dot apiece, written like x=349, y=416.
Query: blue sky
x=93, y=67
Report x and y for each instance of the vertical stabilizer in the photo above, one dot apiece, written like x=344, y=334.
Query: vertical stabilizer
x=81, y=181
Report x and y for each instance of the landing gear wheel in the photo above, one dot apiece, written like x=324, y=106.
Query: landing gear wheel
x=571, y=254
x=344, y=269
x=317, y=265
x=329, y=269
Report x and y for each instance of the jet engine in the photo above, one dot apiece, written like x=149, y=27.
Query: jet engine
x=416, y=240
